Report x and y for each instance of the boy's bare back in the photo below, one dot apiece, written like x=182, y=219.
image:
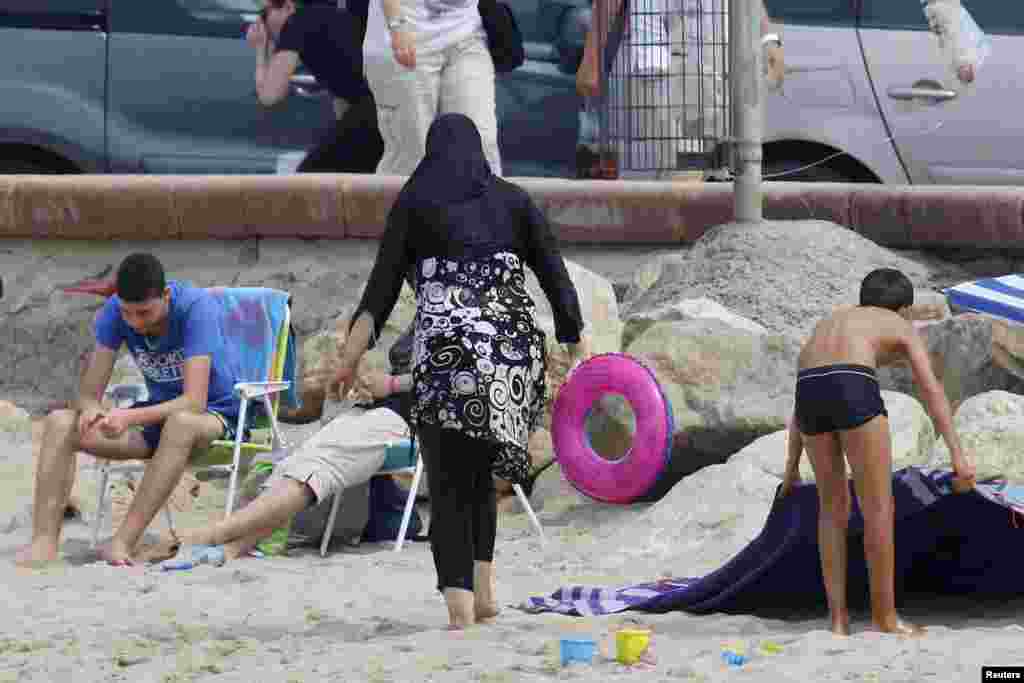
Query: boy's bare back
x=862, y=335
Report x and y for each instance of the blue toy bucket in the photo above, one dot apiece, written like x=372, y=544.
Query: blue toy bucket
x=573, y=650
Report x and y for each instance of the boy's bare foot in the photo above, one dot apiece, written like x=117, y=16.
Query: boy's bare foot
x=36, y=554
x=901, y=628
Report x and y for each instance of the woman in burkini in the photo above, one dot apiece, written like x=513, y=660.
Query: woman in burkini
x=479, y=358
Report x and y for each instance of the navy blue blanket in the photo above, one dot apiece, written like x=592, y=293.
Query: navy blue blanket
x=946, y=543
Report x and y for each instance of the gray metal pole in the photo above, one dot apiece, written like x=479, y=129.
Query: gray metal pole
x=745, y=83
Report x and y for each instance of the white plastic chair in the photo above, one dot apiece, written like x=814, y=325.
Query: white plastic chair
x=399, y=460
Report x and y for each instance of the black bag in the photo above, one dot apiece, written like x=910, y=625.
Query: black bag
x=504, y=39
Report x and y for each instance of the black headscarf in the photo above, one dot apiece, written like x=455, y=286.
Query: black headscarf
x=454, y=167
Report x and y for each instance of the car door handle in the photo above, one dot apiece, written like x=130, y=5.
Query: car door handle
x=921, y=93
x=305, y=85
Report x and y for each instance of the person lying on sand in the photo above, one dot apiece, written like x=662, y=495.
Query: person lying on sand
x=173, y=333
x=839, y=410
x=346, y=452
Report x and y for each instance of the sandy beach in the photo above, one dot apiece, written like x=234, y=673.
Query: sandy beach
x=365, y=613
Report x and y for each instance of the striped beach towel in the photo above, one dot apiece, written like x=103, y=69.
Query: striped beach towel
x=1002, y=297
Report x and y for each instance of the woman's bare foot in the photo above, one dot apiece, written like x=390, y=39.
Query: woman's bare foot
x=485, y=604
x=900, y=628
x=841, y=626
x=460, y=608
x=36, y=554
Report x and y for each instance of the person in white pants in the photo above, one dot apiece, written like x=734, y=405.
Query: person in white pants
x=424, y=58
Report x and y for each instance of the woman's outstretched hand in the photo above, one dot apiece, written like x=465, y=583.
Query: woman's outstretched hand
x=579, y=352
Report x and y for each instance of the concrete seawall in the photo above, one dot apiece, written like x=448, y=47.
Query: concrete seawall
x=597, y=212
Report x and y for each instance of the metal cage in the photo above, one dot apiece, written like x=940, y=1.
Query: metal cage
x=664, y=103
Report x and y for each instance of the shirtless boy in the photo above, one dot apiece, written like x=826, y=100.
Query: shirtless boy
x=839, y=410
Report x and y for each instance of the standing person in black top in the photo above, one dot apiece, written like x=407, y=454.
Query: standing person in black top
x=479, y=358
x=328, y=41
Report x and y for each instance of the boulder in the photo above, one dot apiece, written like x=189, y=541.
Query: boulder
x=639, y=320
x=600, y=310
x=15, y=423
x=970, y=354
x=991, y=430
x=763, y=272
x=727, y=387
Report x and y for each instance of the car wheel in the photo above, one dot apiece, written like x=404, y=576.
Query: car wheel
x=805, y=172
x=25, y=166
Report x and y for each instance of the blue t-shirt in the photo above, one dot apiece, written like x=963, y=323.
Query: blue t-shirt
x=194, y=330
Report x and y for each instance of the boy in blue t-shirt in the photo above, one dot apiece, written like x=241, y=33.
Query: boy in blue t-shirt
x=173, y=331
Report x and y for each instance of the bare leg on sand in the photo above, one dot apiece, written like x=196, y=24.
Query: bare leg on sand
x=833, y=520
x=55, y=474
x=460, y=608
x=869, y=451
x=485, y=604
x=181, y=433
x=240, y=532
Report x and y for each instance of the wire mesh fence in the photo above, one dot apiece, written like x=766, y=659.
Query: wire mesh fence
x=664, y=98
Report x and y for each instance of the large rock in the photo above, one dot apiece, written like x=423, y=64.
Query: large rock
x=15, y=423
x=912, y=439
x=784, y=275
x=639, y=320
x=727, y=387
x=970, y=354
x=600, y=311
x=991, y=431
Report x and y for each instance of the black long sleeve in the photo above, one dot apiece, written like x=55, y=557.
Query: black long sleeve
x=545, y=260
x=388, y=274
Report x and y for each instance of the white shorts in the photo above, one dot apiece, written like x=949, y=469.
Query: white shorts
x=347, y=451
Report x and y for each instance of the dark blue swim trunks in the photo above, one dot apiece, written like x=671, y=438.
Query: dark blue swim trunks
x=833, y=398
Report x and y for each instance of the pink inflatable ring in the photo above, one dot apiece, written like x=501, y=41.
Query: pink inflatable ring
x=633, y=475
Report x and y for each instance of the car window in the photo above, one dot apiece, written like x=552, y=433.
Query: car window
x=997, y=16
x=814, y=12
x=59, y=14
x=221, y=6
x=993, y=16
x=893, y=14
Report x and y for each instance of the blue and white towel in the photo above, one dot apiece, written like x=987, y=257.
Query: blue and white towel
x=998, y=296
x=252, y=316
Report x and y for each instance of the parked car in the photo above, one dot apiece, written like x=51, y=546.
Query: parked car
x=166, y=86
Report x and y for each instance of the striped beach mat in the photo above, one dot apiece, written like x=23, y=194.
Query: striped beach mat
x=998, y=296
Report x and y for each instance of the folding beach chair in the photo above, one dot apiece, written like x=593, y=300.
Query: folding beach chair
x=401, y=457
x=251, y=313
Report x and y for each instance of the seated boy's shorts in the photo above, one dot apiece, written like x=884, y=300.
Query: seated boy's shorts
x=347, y=451
x=151, y=433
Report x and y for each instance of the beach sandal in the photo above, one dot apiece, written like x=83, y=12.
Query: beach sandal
x=192, y=556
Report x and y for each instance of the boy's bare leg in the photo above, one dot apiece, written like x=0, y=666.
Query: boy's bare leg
x=181, y=433
x=240, y=532
x=55, y=474
x=869, y=451
x=826, y=457
x=485, y=603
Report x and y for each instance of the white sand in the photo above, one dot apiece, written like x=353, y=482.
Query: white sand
x=367, y=614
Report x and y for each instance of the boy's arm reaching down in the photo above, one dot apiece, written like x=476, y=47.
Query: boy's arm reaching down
x=794, y=451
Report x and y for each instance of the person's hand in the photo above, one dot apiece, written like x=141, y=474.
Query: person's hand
x=378, y=384
x=579, y=352
x=775, y=64
x=343, y=381
x=965, y=73
x=403, y=46
x=964, y=473
x=789, y=482
x=256, y=36
x=88, y=419
x=114, y=423
x=588, y=81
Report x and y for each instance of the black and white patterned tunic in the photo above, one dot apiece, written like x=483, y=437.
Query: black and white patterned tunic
x=479, y=357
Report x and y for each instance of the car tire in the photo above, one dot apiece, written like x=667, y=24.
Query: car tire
x=793, y=170
x=25, y=166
